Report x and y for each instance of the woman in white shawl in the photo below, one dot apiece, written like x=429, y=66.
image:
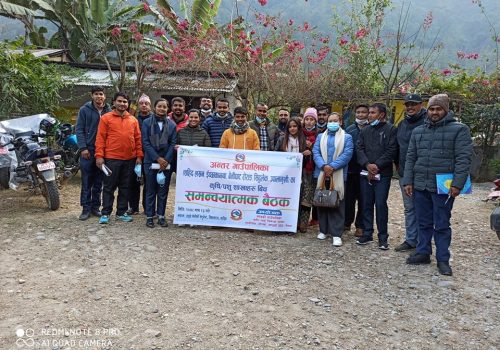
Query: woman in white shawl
x=332, y=151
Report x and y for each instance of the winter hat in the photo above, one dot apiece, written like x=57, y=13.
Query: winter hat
x=144, y=98
x=441, y=100
x=311, y=112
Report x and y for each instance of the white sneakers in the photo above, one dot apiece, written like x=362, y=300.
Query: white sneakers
x=321, y=236
x=337, y=241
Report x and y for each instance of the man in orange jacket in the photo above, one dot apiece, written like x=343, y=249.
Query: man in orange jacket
x=119, y=148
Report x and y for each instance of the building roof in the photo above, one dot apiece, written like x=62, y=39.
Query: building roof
x=178, y=81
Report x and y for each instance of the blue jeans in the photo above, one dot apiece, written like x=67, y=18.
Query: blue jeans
x=90, y=194
x=156, y=195
x=375, y=194
x=411, y=225
x=433, y=217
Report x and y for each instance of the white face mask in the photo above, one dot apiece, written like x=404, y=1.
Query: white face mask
x=361, y=121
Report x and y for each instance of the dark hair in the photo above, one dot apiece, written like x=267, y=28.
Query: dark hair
x=261, y=104
x=323, y=108
x=96, y=88
x=160, y=100
x=194, y=110
x=300, y=135
x=283, y=109
x=362, y=105
x=121, y=94
x=381, y=108
x=178, y=99
x=222, y=100
x=206, y=97
x=240, y=110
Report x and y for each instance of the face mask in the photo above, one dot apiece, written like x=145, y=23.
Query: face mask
x=160, y=178
x=361, y=121
x=137, y=170
x=375, y=122
x=333, y=126
x=260, y=120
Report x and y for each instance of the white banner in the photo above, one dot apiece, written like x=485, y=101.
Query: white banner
x=238, y=188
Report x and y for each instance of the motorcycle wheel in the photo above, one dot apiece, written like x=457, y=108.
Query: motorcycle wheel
x=4, y=178
x=52, y=195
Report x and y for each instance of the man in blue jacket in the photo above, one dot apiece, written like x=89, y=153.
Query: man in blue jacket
x=441, y=145
x=86, y=130
x=217, y=123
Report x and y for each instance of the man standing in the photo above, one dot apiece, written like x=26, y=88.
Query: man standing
x=134, y=192
x=414, y=116
x=283, y=117
x=119, y=148
x=205, y=108
x=178, y=114
x=441, y=145
x=353, y=184
x=86, y=130
x=376, y=150
x=217, y=123
x=266, y=130
x=323, y=113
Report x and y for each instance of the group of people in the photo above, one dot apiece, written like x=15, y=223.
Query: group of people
x=121, y=151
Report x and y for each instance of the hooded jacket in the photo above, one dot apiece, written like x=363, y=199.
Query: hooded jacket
x=403, y=135
x=86, y=125
x=441, y=147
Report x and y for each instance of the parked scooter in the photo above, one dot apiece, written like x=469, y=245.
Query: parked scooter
x=495, y=215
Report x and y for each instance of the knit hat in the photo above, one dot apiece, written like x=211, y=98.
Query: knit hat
x=441, y=100
x=144, y=98
x=311, y=112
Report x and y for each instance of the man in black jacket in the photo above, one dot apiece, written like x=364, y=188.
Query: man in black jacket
x=376, y=149
x=441, y=145
x=86, y=130
x=414, y=116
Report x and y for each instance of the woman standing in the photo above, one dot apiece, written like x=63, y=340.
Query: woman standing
x=294, y=141
x=332, y=152
x=239, y=135
x=310, y=132
x=193, y=134
x=158, y=140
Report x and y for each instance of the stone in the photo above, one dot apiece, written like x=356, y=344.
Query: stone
x=314, y=300
x=236, y=273
x=445, y=284
x=153, y=332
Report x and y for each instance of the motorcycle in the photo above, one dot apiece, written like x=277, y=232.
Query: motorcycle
x=68, y=149
x=36, y=166
x=495, y=215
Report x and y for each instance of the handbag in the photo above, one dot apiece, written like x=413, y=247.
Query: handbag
x=326, y=198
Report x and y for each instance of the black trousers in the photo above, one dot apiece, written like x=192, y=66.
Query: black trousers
x=353, y=194
x=120, y=178
x=134, y=190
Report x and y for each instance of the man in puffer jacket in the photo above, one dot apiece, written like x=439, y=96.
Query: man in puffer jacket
x=217, y=123
x=441, y=145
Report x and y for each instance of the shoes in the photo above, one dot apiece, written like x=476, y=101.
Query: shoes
x=181, y=225
x=403, y=247
x=313, y=223
x=104, y=219
x=150, y=223
x=444, y=268
x=125, y=218
x=321, y=236
x=132, y=212
x=383, y=245
x=358, y=232
x=95, y=212
x=418, y=259
x=192, y=226
x=337, y=242
x=162, y=222
x=364, y=240
x=84, y=215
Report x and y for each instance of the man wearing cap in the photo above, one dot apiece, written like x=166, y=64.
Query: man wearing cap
x=266, y=130
x=414, y=116
x=440, y=145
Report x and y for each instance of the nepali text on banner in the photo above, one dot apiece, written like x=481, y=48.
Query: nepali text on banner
x=238, y=188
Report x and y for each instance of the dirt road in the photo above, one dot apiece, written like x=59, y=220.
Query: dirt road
x=67, y=284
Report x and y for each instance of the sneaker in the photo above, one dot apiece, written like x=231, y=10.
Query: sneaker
x=125, y=218
x=84, y=215
x=162, y=222
x=104, y=219
x=192, y=226
x=337, y=242
x=444, y=268
x=321, y=236
x=132, y=212
x=383, y=245
x=364, y=240
x=358, y=232
x=150, y=223
x=418, y=259
x=181, y=225
x=95, y=212
x=313, y=223
x=403, y=247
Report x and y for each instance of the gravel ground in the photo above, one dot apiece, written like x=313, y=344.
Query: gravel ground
x=67, y=284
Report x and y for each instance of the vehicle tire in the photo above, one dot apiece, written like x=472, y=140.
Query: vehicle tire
x=4, y=178
x=52, y=195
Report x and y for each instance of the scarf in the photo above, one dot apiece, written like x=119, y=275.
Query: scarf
x=262, y=121
x=237, y=129
x=293, y=144
x=311, y=137
x=338, y=175
x=158, y=138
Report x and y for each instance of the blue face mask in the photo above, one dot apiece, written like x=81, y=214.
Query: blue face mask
x=375, y=122
x=137, y=170
x=332, y=126
x=160, y=178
